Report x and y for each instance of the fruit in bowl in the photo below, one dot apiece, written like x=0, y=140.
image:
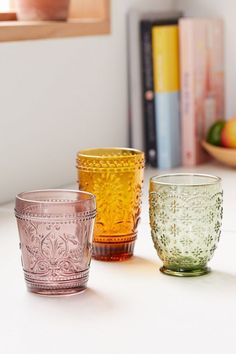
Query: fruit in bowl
x=221, y=141
x=214, y=133
x=228, y=134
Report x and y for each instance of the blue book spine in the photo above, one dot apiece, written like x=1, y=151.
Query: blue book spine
x=168, y=129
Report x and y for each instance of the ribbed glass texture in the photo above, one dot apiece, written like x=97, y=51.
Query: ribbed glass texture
x=115, y=177
x=56, y=232
x=185, y=217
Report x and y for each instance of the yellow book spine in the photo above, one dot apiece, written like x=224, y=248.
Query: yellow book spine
x=165, y=44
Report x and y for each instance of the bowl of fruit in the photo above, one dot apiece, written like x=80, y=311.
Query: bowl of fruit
x=221, y=141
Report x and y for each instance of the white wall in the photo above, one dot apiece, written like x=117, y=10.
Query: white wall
x=59, y=96
x=227, y=10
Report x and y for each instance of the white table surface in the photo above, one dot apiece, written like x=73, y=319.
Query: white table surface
x=129, y=307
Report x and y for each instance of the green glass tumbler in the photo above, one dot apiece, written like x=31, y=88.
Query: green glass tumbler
x=185, y=218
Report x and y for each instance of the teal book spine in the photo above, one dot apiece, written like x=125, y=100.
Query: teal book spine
x=168, y=129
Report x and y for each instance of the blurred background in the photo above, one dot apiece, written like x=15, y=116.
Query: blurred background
x=58, y=96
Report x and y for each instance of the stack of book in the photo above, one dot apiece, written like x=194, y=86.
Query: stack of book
x=176, y=85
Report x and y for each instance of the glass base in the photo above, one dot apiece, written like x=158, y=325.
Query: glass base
x=56, y=292
x=185, y=272
x=57, y=286
x=113, y=252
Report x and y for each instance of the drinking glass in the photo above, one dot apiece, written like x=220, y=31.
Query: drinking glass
x=115, y=177
x=56, y=232
x=185, y=217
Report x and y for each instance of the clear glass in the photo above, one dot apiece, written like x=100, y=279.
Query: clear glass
x=56, y=232
x=185, y=218
x=115, y=177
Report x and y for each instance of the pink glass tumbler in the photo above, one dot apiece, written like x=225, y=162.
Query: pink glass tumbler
x=56, y=234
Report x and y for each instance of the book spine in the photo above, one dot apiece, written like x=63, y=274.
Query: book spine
x=167, y=108
x=148, y=93
x=186, y=40
x=166, y=85
x=135, y=112
x=215, y=44
x=202, y=84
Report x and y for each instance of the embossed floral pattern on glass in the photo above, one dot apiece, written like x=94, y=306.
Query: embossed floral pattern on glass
x=56, y=231
x=115, y=177
x=185, y=217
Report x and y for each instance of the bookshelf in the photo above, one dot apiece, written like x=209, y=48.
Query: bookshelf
x=181, y=112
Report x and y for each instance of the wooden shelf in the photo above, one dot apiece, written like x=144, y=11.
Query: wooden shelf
x=18, y=31
x=87, y=17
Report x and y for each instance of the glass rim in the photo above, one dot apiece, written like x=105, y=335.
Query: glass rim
x=88, y=153
x=215, y=179
x=21, y=197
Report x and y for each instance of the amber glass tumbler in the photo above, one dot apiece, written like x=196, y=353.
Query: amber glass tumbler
x=56, y=231
x=115, y=177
